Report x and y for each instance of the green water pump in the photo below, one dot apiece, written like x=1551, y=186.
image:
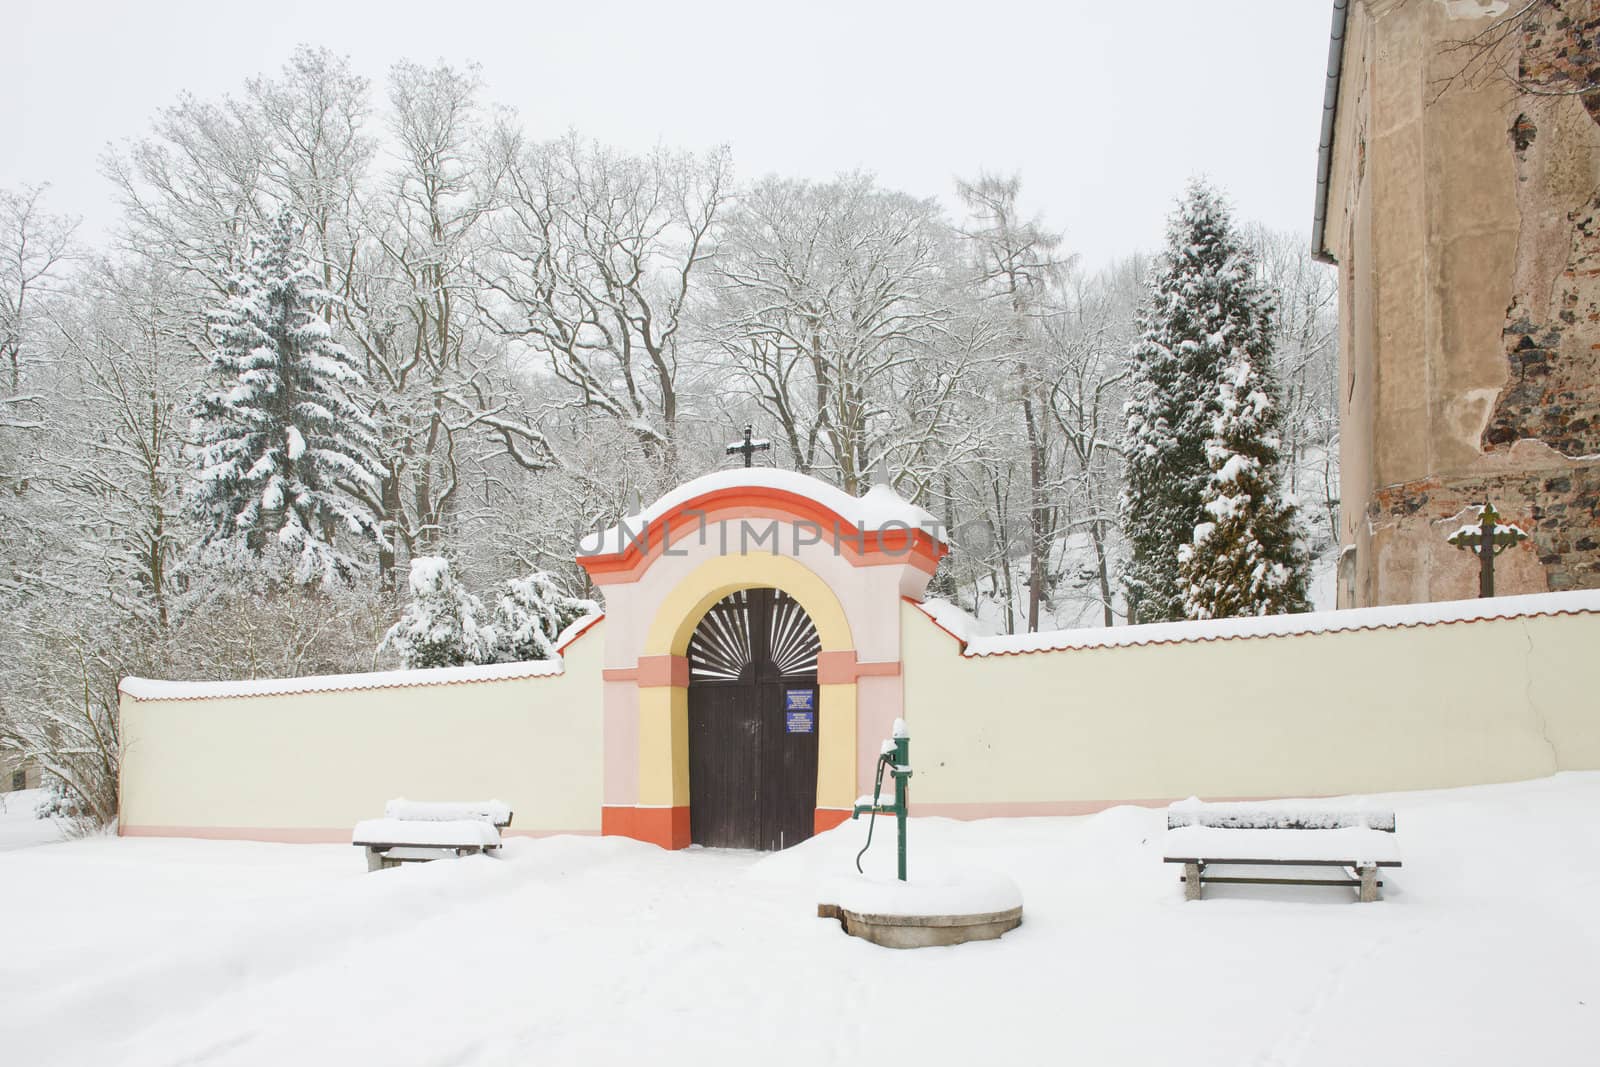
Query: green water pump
x=896, y=758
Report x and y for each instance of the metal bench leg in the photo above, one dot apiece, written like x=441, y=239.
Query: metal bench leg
x=1191, y=881
x=1369, y=884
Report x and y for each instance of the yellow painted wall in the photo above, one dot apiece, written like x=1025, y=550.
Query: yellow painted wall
x=1313, y=714
x=1361, y=711
x=314, y=762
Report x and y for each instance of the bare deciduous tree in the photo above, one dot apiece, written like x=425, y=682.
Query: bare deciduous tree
x=594, y=254
x=829, y=295
x=408, y=301
x=1017, y=269
x=34, y=247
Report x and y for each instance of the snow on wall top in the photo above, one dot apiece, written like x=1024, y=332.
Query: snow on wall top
x=879, y=508
x=968, y=630
x=159, y=689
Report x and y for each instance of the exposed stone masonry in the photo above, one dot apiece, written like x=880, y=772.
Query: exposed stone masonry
x=1559, y=51
x=1560, y=512
x=1553, y=393
x=1552, y=335
x=1552, y=340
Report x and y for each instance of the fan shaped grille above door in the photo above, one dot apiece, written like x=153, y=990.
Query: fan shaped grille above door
x=750, y=623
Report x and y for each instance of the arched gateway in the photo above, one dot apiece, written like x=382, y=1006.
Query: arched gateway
x=752, y=660
x=753, y=722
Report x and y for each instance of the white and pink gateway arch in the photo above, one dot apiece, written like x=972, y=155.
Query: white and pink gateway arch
x=848, y=562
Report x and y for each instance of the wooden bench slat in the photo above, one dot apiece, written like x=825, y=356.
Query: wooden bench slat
x=433, y=846
x=1240, y=880
x=1233, y=862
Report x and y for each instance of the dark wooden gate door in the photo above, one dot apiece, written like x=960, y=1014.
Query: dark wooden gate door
x=753, y=714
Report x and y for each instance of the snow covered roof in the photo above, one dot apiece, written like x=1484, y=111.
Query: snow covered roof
x=968, y=630
x=158, y=689
x=879, y=508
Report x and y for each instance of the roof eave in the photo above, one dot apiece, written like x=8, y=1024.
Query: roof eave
x=1330, y=108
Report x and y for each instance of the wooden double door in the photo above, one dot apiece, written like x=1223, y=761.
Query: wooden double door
x=754, y=709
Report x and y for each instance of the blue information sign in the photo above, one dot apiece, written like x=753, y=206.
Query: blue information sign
x=800, y=711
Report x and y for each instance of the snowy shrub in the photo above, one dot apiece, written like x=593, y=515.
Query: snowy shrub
x=441, y=626
x=445, y=626
x=63, y=717
x=529, y=615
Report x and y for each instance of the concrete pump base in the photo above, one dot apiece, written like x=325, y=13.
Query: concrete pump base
x=923, y=931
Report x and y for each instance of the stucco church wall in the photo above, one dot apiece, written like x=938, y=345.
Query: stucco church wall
x=309, y=766
x=1465, y=221
x=1417, y=707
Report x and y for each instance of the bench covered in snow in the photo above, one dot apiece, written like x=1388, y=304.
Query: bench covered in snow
x=415, y=831
x=1250, y=835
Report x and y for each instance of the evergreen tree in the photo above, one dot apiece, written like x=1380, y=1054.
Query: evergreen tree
x=440, y=626
x=1205, y=312
x=287, y=454
x=1246, y=557
x=530, y=614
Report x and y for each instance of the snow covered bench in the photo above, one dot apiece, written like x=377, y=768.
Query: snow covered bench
x=1246, y=835
x=415, y=831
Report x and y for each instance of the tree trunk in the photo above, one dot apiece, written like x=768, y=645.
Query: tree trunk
x=390, y=528
x=1038, y=508
x=1097, y=533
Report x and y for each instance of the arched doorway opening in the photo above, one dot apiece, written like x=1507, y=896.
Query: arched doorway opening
x=753, y=714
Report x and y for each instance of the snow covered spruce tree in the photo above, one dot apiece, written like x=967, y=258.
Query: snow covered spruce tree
x=1205, y=342
x=440, y=626
x=286, y=455
x=1246, y=557
x=530, y=614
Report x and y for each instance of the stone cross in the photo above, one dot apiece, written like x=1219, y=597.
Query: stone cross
x=1488, y=539
x=748, y=448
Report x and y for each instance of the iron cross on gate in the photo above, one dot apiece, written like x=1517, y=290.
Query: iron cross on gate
x=748, y=448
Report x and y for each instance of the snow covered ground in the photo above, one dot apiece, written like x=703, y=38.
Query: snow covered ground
x=1486, y=950
x=19, y=828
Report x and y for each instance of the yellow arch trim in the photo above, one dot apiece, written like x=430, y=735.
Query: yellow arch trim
x=682, y=609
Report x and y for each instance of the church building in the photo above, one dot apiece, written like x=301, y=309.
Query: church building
x=1458, y=193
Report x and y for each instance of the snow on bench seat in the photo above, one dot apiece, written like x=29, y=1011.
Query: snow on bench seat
x=495, y=812
x=1356, y=846
x=1277, y=815
x=449, y=833
x=1288, y=834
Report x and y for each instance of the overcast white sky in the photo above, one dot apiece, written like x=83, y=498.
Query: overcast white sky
x=1104, y=107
